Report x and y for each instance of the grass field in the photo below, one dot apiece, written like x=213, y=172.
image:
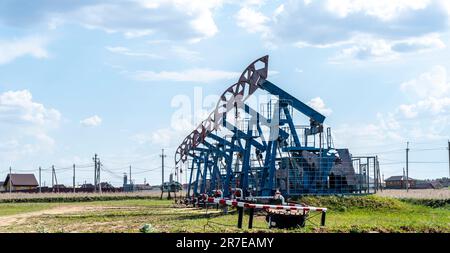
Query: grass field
x=346, y=214
x=74, y=197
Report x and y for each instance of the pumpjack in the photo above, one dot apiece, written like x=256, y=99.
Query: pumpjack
x=264, y=150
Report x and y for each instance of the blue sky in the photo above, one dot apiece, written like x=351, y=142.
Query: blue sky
x=85, y=77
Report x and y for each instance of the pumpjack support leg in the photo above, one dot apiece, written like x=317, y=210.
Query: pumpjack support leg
x=250, y=218
x=241, y=216
x=322, y=220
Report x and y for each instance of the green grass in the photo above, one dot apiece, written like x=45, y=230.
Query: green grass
x=11, y=209
x=342, y=203
x=378, y=214
x=410, y=219
x=346, y=214
x=443, y=203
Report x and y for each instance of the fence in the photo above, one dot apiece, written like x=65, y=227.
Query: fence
x=307, y=173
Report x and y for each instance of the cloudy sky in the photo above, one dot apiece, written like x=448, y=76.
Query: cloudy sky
x=107, y=77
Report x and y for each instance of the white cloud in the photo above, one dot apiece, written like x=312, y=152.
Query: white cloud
x=253, y=2
x=169, y=136
x=432, y=83
x=418, y=44
x=375, y=49
x=324, y=22
x=382, y=9
x=163, y=137
x=25, y=125
x=251, y=20
x=187, y=116
x=363, y=47
x=426, y=108
x=432, y=106
x=128, y=52
x=363, y=135
x=182, y=52
x=190, y=20
x=363, y=30
x=409, y=111
x=318, y=105
x=29, y=46
x=203, y=21
x=203, y=75
x=435, y=105
x=18, y=107
x=426, y=118
x=91, y=121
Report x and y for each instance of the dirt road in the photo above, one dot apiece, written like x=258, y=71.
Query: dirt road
x=19, y=218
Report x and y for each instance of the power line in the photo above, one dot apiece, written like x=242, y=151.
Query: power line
x=142, y=169
x=431, y=162
x=416, y=162
x=118, y=168
x=112, y=173
x=394, y=151
x=428, y=149
x=382, y=152
x=145, y=171
x=145, y=158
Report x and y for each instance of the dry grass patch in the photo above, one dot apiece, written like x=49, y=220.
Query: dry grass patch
x=417, y=193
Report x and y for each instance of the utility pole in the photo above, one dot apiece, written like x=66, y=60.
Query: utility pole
x=131, y=182
x=99, y=178
x=404, y=174
x=10, y=180
x=73, y=178
x=407, y=166
x=375, y=173
x=53, y=178
x=162, y=170
x=56, y=180
x=95, y=172
x=131, y=186
x=40, y=186
x=449, y=159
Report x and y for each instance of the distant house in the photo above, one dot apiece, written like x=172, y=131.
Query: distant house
x=435, y=184
x=445, y=182
x=136, y=187
x=142, y=187
x=427, y=184
x=20, y=182
x=172, y=186
x=2, y=189
x=91, y=187
x=106, y=186
x=399, y=182
x=87, y=186
x=131, y=187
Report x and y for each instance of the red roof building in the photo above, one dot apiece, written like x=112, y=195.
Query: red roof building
x=19, y=182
